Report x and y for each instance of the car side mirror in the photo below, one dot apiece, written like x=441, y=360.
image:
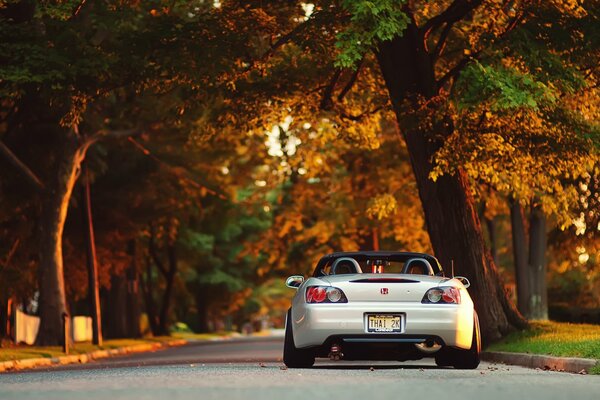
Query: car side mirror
x=463, y=280
x=294, y=281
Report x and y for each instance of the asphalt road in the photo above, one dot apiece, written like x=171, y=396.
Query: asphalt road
x=251, y=369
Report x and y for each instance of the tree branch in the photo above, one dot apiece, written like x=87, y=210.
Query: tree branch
x=298, y=29
x=10, y=254
x=360, y=116
x=455, y=71
x=32, y=178
x=326, y=102
x=351, y=82
x=175, y=170
x=154, y=254
x=441, y=44
x=109, y=133
x=288, y=37
x=455, y=12
x=78, y=8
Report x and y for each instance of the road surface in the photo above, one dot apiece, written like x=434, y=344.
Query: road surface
x=252, y=369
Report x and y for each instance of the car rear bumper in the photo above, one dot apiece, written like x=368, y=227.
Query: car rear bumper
x=313, y=324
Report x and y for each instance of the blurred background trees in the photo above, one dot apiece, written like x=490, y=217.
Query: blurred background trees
x=230, y=144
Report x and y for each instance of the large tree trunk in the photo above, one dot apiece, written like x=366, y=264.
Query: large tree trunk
x=519, y=240
x=452, y=221
x=54, y=213
x=538, y=306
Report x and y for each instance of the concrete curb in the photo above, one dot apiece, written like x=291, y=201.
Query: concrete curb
x=548, y=363
x=86, y=357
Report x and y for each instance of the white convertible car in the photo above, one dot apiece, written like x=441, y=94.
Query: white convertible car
x=377, y=305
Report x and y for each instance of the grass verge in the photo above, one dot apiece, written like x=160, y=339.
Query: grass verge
x=10, y=351
x=556, y=339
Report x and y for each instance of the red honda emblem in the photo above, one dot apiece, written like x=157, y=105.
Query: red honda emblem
x=384, y=290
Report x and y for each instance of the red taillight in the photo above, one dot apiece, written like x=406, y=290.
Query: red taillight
x=325, y=294
x=451, y=295
x=315, y=294
x=442, y=295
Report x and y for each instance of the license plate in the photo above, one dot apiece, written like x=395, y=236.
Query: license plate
x=384, y=323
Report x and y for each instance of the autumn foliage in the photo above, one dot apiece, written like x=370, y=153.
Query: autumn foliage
x=233, y=143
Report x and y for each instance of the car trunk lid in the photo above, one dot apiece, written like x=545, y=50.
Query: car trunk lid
x=384, y=287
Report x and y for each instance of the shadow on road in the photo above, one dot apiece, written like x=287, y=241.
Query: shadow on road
x=376, y=366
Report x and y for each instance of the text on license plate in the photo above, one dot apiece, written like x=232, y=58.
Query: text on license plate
x=384, y=323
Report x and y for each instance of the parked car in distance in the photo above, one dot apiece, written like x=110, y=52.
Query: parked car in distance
x=379, y=305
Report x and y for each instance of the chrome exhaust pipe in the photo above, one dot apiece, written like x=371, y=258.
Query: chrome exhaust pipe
x=429, y=346
x=335, y=352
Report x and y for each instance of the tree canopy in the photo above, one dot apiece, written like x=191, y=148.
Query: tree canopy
x=242, y=140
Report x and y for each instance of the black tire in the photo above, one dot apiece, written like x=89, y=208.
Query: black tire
x=443, y=358
x=293, y=357
x=469, y=359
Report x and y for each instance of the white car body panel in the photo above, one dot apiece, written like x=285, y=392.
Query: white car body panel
x=313, y=324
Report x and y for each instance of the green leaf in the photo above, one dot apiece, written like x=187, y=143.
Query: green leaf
x=370, y=24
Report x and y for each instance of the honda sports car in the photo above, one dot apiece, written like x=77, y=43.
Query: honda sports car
x=381, y=305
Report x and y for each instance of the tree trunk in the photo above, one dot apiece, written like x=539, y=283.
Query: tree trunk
x=3, y=319
x=11, y=310
x=450, y=214
x=538, y=306
x=133, y=305
x=202, y=308
x=92, y=264
x=168, y=272
x=148, y=289
x=519, y=241
x=115, y=321
x=55, y=205
x=490, y=224
x=169, y=276
x=375, y=239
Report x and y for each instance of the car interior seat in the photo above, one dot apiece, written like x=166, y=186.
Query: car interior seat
x=345, y=265
x=418, y=266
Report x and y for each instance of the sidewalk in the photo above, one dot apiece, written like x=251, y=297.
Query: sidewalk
x=86, y=357
x=548, y=363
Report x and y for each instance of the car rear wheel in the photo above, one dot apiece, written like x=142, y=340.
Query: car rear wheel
x=293, y=357
x=443, y=358
x=469, y=359
x=459, y=358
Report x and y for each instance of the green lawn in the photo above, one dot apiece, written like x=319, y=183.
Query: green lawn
x=554, y=338
x=19, y=352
